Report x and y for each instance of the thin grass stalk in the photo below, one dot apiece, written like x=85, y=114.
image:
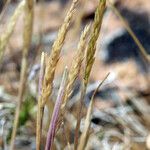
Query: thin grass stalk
x=53, y=124
x=53, y=59
x=143, y=51
x=76, y=137
x=76, y=64
x=89, y=61
x=66, y=137
x=74, y=70
x=84, y=135
x=40, y=108
x=55, y=53
x=4, y=38
x=28, y=23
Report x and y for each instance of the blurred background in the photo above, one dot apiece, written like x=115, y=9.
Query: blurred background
x=121, y=108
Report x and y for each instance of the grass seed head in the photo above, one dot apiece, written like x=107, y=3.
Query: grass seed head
x=55, y=53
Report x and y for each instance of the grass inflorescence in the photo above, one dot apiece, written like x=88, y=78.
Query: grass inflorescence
x=81, y=66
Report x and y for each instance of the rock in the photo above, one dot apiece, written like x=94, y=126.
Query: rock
x=119, y=45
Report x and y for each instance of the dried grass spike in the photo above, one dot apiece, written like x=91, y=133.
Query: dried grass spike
x=55, y=52
x=4, y=38
x=76, y=64
x=94, y=36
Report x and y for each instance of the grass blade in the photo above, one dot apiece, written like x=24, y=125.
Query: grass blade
x=132, y=34
x=84, y=136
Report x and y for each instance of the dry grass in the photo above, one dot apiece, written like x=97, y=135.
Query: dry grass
x=55, y=115
x=75, y=69
x=85, y=133
x=89, y=60
x=4, y=38
x=27, y=35
x=85, y=55
x=54, y=56
x=40, y=107
x=90, y=54
x=50, y=68
x=143, y=52
x=76, y=65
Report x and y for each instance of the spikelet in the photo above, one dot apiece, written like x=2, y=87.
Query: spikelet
x=89, y=61
x=94, y=36
x=4, y=38
x=54, y=56
x=76, y=64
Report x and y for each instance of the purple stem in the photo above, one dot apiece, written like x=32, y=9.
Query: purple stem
x=53, y=124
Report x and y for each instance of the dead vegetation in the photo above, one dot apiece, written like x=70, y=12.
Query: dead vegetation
x=74, y=113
